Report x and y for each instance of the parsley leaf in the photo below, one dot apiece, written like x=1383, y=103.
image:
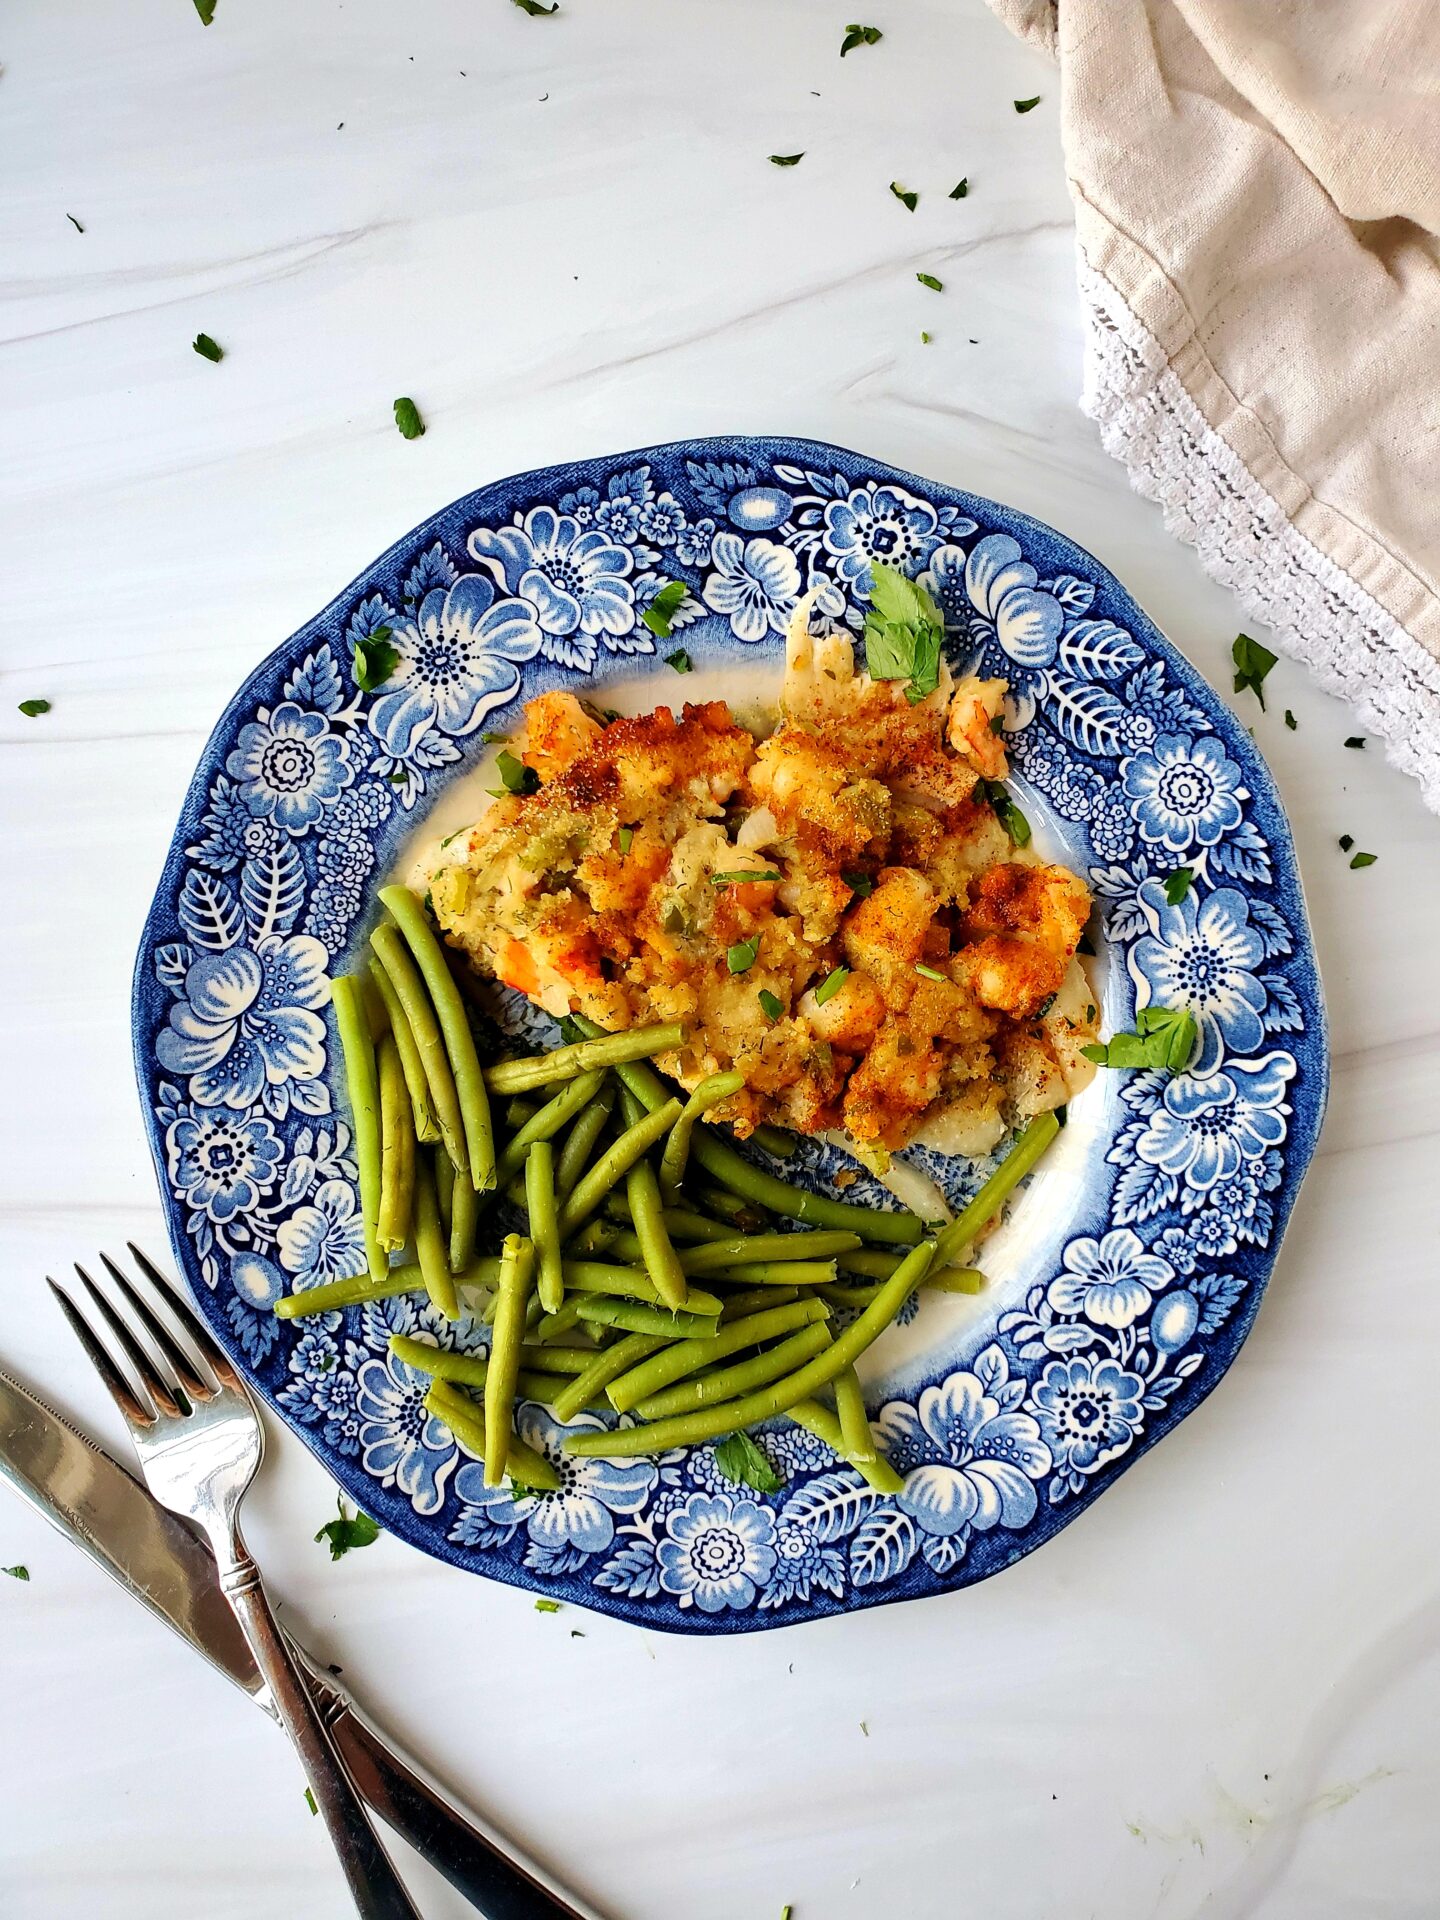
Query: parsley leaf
x=1347, y=840
x=744, y=876
x=1363, y=859
x=1252, y=663
x=742, y=956
x=1165, y=1038
x=959, y=191
x=1006, y=812
x=1289, y=720
x=666, y=603
x=207, y=348
x=770, y=1005
x=17, y=1572
x=547, y=1606
x=30, y=708
x=407, y=419
x=831, y=985
x=903, y=631
x=517, y=776
x=740, y=1461
x=1356, y=740
x=1178, y=885
x=858, y=36
x=310, y=1801
x=928, y=973
x=906, y=199
x=860, y=884
x=534, y=7
x=627, y=840
x=357, y=1530
x=929, y=280
x=925, y=339
x=206, y=11
x=680, y=661
x=1024, y=106
x=374, y=660
x=787, y=159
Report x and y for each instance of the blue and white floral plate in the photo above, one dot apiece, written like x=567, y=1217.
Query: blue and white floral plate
x=1131, y=1269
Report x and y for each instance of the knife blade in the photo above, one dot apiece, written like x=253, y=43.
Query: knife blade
x=90, y=1499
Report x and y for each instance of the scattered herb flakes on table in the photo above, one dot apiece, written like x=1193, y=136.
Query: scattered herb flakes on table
x=787, y=159
x=207, y=348
x=1252, y=663
x=348, y=1531
x=858, y=36
x=407, y=418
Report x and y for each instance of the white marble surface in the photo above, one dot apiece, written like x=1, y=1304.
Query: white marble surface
x=1218, y=1693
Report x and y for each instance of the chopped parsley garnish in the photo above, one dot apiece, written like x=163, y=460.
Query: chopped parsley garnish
x=206, y=11
x=74, y=223
x=17, y=1572
x=858, y=36
x=742, y=956
x=663, y=607
x=1347, y=840
x=906, y=198
x=1252, y=663
x=746, y=876
x=517, y=776
x=1363, y=859
x=740, y=1461
x=1090, y=1011
x=1045, y=1005
x=534, y=7
x=310, y=1801
x=207, y=348
x=627, y=840
x=929, y=280
x=1164, y=1038
x=1289, y=720
x=903, y=632
x=680, y=661
x=349, y=1530
x=1006, y=812
x=1356, y=740
x=787, y=159
x=925, y=339
x=30, y=708
x=547, y=1606
x=492, y=739
x=860, y=884
x=374, y=660
x=960, y=189
x=831, y=985
x=407, y=419
x=1177, y=885
x=1024, y=106
x=928, y=973
x=770, y=1005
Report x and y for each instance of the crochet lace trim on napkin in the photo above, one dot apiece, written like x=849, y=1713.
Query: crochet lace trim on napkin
x=1209, y=499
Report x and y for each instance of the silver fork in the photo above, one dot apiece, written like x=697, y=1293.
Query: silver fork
x=199, y=1442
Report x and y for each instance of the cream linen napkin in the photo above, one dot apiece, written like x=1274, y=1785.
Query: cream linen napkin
x=1257, y=196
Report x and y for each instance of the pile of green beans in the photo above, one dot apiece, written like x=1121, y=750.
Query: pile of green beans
x=659, y=1274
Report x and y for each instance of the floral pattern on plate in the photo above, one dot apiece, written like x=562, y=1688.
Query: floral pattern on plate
x=1008, y=1424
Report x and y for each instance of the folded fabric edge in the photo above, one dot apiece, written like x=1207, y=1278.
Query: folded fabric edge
x=1318, y=613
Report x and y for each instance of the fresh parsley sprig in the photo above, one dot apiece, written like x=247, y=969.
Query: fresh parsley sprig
x=903, y=632
x=1252, y=663
x=348, y=1531
x=517, y=776
x=407, y=418
x=858, y=36
x=1164, y=1038
x=374, y=660
x=663, y=608
x=740, y=1461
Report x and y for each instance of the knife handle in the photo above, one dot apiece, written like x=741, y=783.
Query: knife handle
x=495, y=1883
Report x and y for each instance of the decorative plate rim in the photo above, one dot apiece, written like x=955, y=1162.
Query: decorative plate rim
x=553, y=567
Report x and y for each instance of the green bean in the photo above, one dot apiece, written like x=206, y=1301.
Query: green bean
x=518, y=1111
x=516, y=1263
x=363, y=1084
x=352, y=1292
x=778, y=1273
x=662, y=1263
x=464, y=1216
x=455, y=1025
x=871, y=1263
x=825, y=1426
x=956, y=1280
x=395, y=957
x=596, y=1237
x=607, y=1366
x=563, y=1063
x=441, y=1363
x=545, y=1122
x=709, y=1093
x=859, y=1297
x=689, y=1356
x=708, y=1423
x=725, y=1383
x=715, y=1255
x=544, y=1224
x=582, y=1140
x=397, y=1150
x=629, y=1283
x=444, y=1168
x=743, y=1214
x=430, y=1248
x=376, y=1017
x=796, y=1203
x=617, y=1160
x=547, y=1359
x=623, y=1245
x=683, y=1224
x=856, y=1438
x=758, y=1300
x=779, y=1141
x=636, y=1317
x=525, y=1467
x=1025, y=1150
x=546, y=1388
x=427, y=1127
x=550, y=1326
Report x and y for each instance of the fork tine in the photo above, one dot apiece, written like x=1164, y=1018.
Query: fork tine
x=186, y=1316
x=180, y=1362
x=116, y=1383
x=150, y=1376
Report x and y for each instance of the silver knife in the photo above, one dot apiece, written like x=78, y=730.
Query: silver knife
x=96, y=1504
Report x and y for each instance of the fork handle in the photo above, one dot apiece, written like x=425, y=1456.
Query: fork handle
x=374, y=1884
